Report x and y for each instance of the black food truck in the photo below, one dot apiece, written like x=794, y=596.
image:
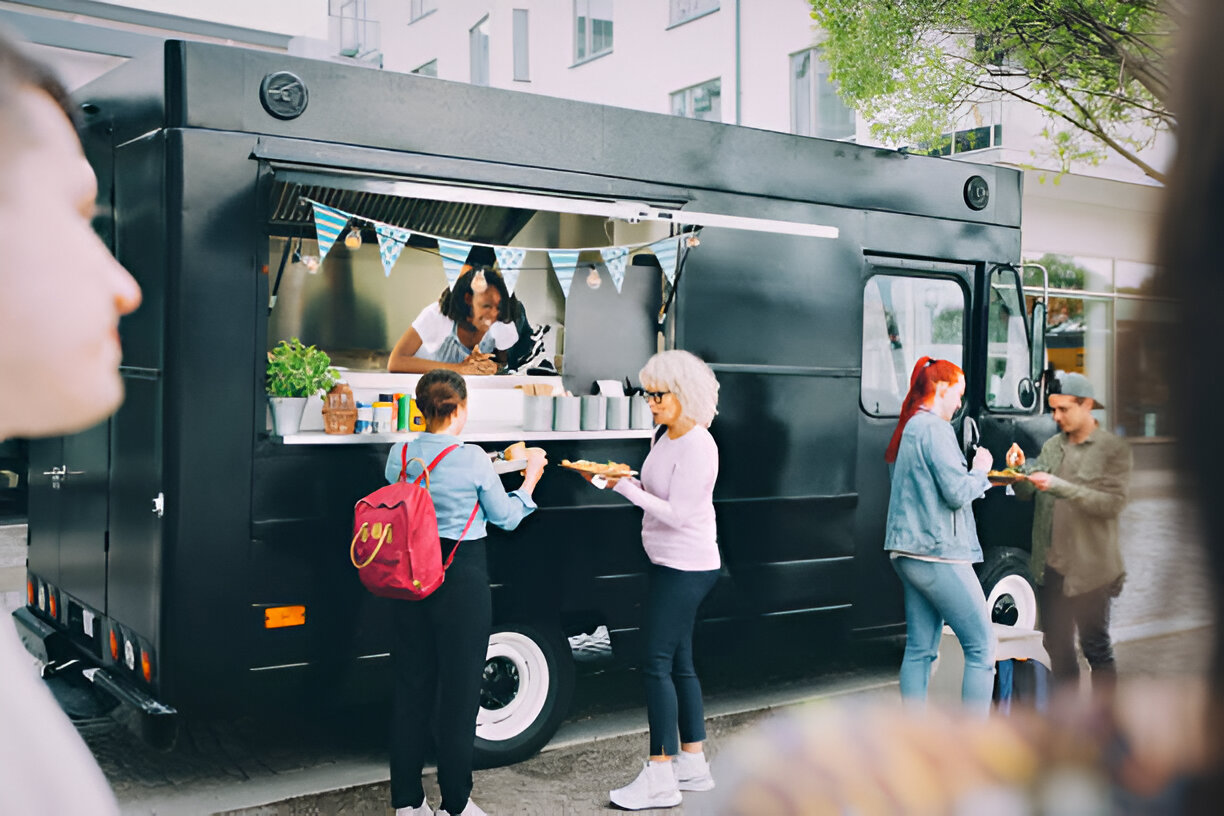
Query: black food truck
x=191, y=559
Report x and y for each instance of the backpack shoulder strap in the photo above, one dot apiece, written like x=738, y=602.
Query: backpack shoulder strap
x=658, y=434
x=434, y=463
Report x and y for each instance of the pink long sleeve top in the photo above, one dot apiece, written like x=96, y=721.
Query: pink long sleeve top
x=676, y=493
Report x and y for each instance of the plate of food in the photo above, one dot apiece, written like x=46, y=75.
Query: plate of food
x=599, y=468
x=1004, y=477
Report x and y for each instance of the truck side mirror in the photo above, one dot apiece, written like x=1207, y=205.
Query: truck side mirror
x=1037, y=350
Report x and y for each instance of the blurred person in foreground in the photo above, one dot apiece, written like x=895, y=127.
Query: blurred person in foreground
x=61, y=297
x=931, y=536
x=1156, y=746
x=1080, y=480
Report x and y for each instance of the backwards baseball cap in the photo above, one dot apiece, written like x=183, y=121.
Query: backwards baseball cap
x=1071, y=384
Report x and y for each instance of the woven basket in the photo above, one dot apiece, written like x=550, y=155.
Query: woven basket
x=339, y=410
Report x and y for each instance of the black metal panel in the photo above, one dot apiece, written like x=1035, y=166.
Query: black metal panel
x=211, y=311
x=140, y=245
x=785, y=435
x=83, y=515
x=134, y=579
x=217, y=87
x=767, y=299
x=43, y=554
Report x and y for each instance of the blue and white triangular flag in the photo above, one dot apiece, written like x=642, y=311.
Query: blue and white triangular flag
x=666, y=251
x=329, y=223
x=615, y=259
x=391, y=242
x=509, y=261
x=454, y=258
x=563, y=262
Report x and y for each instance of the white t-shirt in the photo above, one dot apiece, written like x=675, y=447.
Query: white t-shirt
x=434, y=327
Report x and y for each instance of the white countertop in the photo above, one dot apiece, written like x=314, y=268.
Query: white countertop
x=473, y=434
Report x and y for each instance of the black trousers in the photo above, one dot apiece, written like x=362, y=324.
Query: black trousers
x=438, y=655
x=1062, y=616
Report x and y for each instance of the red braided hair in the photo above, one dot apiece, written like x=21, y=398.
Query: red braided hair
x=927, y=374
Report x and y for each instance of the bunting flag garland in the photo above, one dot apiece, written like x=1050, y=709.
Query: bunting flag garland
x=563, y=262
x=509, y=261
x=390, y=244
x=666, y=251
x=454, y=258
x=615, y=259
x=329, y=223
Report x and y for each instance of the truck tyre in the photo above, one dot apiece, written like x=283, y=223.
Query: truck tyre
x=1011, y=595
x=525, y=694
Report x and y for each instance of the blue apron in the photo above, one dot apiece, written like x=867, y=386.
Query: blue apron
x=452, y=349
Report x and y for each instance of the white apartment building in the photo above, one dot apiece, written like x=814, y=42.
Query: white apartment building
x=755, y=63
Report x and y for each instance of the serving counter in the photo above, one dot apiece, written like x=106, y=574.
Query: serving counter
x=495, y=412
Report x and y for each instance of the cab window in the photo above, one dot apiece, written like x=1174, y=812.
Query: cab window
x=905, y=318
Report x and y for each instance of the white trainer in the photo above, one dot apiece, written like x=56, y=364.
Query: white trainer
x=470, y=809
x=422, y=809
x=655, y=787
x=693, y=772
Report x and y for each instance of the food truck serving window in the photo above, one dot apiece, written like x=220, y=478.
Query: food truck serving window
x=905, y=318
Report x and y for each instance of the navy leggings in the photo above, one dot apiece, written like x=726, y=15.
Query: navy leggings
x=673, y=692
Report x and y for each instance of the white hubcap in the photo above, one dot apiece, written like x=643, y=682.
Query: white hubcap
x=528, y=661
x=1021, y=592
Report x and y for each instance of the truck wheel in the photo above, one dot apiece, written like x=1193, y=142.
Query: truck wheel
x=525, y=694
x=1011, y=595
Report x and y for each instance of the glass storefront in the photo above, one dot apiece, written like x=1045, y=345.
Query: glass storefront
x=1104, y=324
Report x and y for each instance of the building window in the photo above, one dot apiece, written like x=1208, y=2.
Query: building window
x=685, y=10
x=521, y=62
x=478, y=46
x=816, y=109
x=420, y=8
x=702, y=101
x=428, y=69
x=592, y=28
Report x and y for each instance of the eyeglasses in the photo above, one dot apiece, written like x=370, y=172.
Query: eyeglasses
x=655, y=396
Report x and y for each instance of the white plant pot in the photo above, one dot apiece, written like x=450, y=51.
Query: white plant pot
x=287, y=414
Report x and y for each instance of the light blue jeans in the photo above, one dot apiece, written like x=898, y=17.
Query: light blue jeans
x=935, y=593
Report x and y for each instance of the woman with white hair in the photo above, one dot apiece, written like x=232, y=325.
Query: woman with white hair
x=676, y=493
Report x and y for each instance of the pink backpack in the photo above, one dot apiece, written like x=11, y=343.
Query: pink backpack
x=396, y=548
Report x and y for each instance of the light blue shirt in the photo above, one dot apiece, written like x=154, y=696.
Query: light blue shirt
x=930, y=509
x=459, y=481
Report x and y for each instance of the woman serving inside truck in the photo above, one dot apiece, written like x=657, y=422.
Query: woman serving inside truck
x=469, y=329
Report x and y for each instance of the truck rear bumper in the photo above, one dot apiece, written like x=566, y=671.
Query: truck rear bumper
x=155, y=722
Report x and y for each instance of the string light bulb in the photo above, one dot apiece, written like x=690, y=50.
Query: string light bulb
x=593, y=279
x=479, y=284
x=692, y=241
x=311, y=262
x=353, y=239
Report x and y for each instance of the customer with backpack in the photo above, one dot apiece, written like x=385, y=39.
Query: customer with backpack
x=439, y=643
x=931, y=535
x=676, y=493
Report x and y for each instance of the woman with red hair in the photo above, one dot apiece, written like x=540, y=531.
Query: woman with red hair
x=931, y=536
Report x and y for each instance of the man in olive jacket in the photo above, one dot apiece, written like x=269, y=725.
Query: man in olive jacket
x=1080, y=481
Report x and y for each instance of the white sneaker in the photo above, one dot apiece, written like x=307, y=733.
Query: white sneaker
x=693, y=772
x=655, y=787
x=422, y=809
x=470, y=809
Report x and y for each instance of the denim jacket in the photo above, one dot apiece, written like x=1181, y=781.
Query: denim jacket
x=930, y=509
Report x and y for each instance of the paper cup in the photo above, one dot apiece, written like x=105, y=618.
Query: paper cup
x=594, y=413
x=537, y=412
x=618, y=413
x=640, y=417
x=567, y=413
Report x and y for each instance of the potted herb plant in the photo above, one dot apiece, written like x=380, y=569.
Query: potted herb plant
x=295, y=373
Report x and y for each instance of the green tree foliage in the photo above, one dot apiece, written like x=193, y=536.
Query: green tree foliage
x=1097, y=68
